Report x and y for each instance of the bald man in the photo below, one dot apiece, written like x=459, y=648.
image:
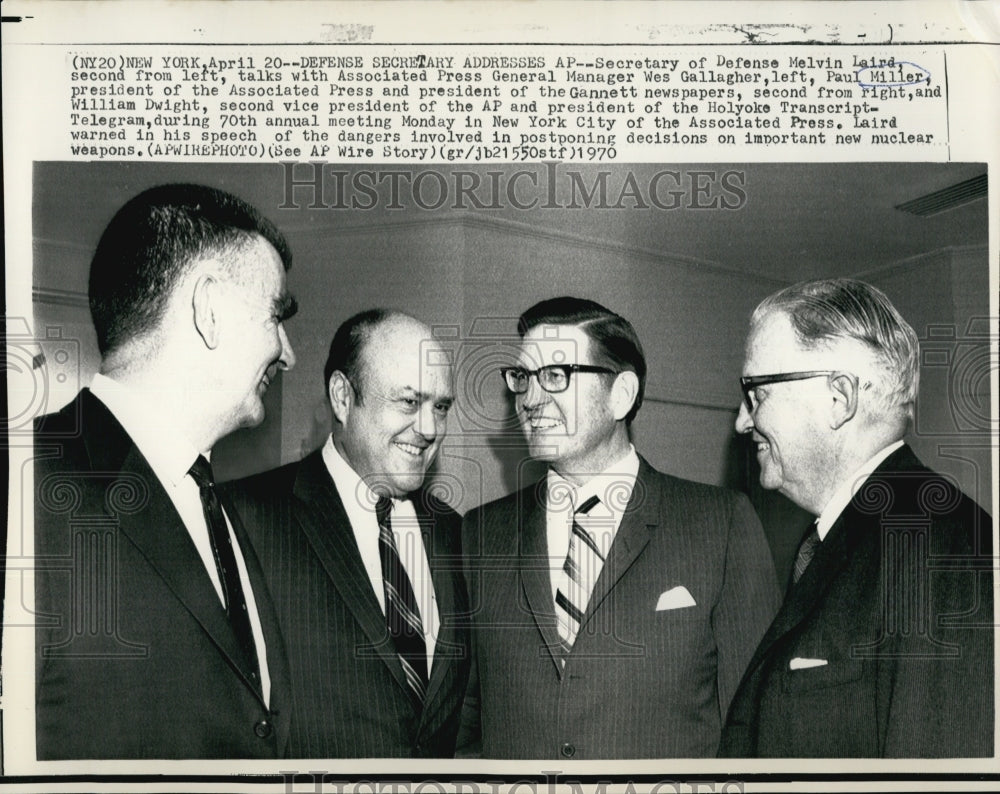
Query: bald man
x=362, y=561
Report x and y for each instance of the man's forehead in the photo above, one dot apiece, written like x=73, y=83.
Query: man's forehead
x=408, y=357
x=555, y=344
x=773, y=347
x=260, y=267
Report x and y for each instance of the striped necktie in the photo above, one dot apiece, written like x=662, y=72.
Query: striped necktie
x=582, y=567
x=805, y=554
x=401, y=613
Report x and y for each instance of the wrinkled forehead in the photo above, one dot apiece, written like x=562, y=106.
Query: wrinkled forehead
x=544, y=345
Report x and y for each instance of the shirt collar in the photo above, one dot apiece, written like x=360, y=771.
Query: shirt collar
x=167, y=451
x=843, y=495
x=349, y=482
x=613, y=486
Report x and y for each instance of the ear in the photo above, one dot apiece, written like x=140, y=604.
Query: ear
x=844, y=390
x=205, y=304
x=624, y=392
x=341, y=395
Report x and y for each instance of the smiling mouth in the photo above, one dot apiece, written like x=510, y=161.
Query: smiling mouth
x=410, y=449
x=762, y=446
x=541, y=423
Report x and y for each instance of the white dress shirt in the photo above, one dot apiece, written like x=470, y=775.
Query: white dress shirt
x=613, y=487
x=359, y=503
x=170, y=456
x=845, y=493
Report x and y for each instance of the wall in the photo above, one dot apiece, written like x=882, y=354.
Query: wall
x=944, y=295
x=471, y=275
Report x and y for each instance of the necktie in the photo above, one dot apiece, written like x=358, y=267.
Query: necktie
x=582, y=566
x=805, y=554
x=401, y=612
x=225, y=562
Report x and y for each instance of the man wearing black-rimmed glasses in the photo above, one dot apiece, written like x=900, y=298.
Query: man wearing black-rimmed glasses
x=614, y=608
x=884, y=645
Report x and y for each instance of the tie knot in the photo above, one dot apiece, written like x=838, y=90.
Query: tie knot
x=382, y=509
x=587, y=506
x=201, y=471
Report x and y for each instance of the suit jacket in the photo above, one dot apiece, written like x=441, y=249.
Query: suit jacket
x=134, y=656
x=350, y=695
x=898, y=601
x=638, y=682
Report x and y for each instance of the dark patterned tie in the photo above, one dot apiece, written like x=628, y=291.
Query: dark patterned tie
x=582, y=566
x=401, y=612
x=806, y=551
x=225, y=563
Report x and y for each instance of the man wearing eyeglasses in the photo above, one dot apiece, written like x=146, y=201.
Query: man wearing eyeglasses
x=884, y=645
x=614, y=607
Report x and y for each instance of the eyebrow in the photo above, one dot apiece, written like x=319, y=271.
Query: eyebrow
x=408, y=391
x=285, y=307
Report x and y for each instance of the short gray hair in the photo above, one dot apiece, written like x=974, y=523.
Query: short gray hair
x=829, y=310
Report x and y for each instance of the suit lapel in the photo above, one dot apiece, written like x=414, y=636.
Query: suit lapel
x=640, y=517
x=443, y=564
x=850, y=529
x=829, y=560
x=325, y=523
x=156, y=529
x=534, y=567
x=277, y=656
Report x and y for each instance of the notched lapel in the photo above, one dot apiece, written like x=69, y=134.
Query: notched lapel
x=161, y=537
x=642, y=515
x=277, y=655
x=322, y=517
x=533, y=565
x=829, y=560
x=445, y=574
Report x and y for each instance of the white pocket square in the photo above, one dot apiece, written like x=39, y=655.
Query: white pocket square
x=800, y=663
x=675, y=598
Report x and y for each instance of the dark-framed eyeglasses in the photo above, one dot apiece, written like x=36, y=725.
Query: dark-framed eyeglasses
x=748, y=384
x=554, y=378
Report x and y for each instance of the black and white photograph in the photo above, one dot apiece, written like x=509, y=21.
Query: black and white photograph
x=466, y=298
x=474, y=417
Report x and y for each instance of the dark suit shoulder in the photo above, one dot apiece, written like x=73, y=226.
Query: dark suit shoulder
x=903, y=485
x=265, y=484
x=694, y=498
x=505, y=504
x=63, y=422
x=442, y=511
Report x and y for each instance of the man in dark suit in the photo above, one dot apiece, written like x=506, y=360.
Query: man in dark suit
x=884, y=645
x=156, y=636
x=363, y=560
x=614, y=607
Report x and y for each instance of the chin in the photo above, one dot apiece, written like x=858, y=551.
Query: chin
x=252, y=417
x=406, y=486
x=543, y=449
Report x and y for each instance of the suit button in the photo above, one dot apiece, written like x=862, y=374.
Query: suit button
x=263, y=729
x=568, y=750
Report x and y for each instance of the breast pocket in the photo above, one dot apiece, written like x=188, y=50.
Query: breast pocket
x=832, y=674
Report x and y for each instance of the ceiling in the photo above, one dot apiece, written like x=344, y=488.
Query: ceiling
x=798, y=220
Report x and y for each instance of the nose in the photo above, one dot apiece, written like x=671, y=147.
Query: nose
x=427, y=421
x=287, y=358
x=744, y=419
